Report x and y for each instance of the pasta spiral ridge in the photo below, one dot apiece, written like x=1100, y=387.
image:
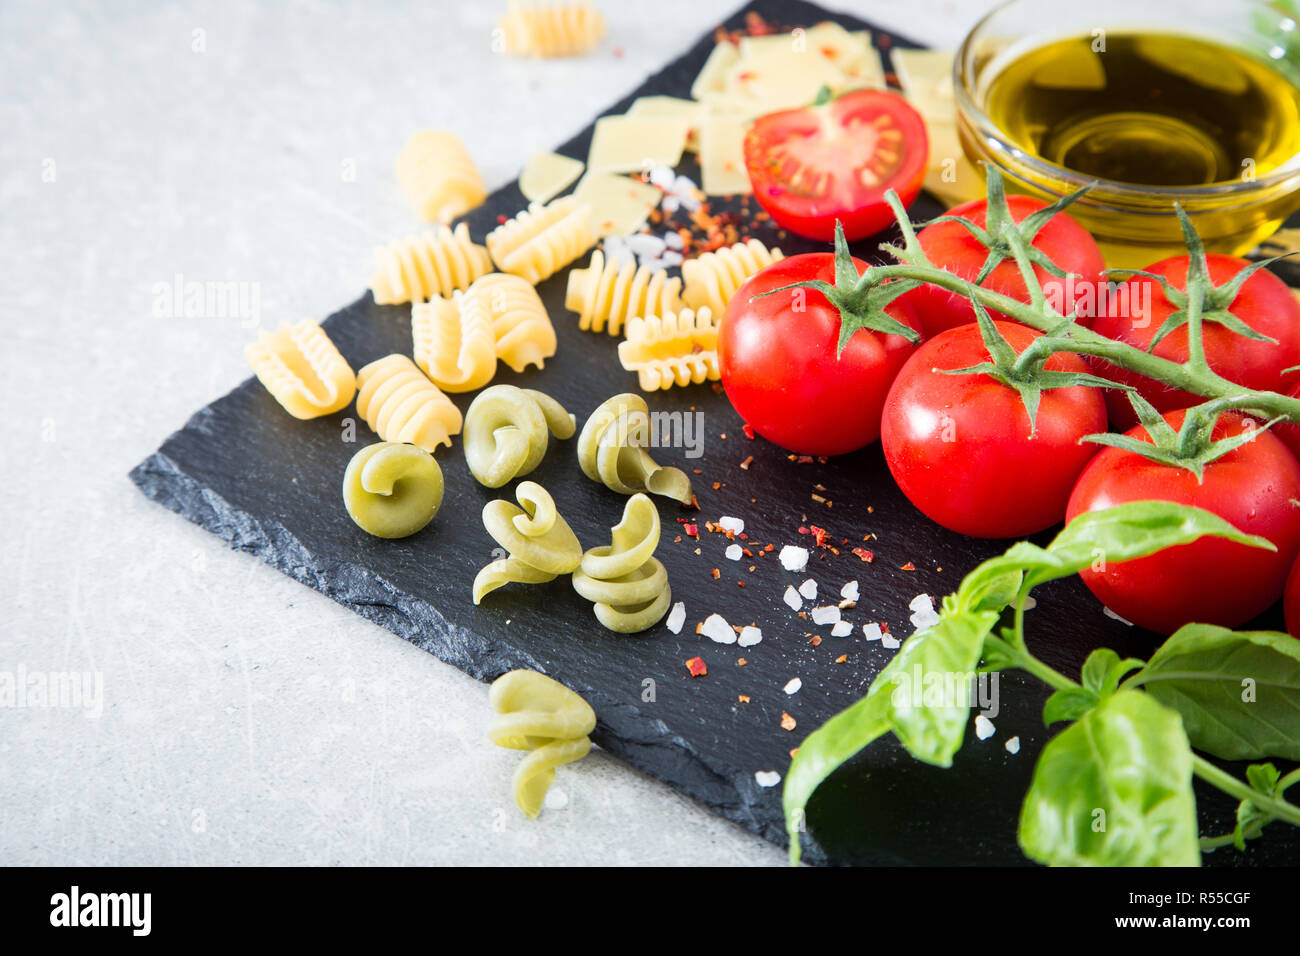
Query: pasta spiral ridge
x=438, y=176
x=541, y=715
x=614, y=293
x=678, y=349
x=624, y=580
x=612, y=451
x=507, y=431
x=521, y=326
x=302, y=369
x=392, y=490
x=400, y=404
x=429, y=263
x=539, y=543
x=713, y=278
x=455, y=347
x=541, y=240
x=562, y=29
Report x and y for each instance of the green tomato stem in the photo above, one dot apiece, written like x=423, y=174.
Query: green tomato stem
x=1274, y=806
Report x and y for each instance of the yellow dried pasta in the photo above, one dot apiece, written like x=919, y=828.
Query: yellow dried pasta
x=430, y=263
x=680, y=348
x=612, y=451
x=713, y=278
x=543, y=716
x=539, y=543
x=551, y=30
x=302, y=369
x=606, y=294
x=400, y=404
x=456, y=348
x=438, y=176
x=521, y=326
x=541, y=240
x=624, y=580
x=507, y=430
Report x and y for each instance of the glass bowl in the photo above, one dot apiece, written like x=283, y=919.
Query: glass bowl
x=1135, y=224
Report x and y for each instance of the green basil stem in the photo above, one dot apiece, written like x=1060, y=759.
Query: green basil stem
x=1230, y=785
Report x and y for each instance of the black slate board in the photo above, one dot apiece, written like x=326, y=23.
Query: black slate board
x=269, y=485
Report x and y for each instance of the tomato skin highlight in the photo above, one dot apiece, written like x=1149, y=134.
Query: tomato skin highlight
x=779, y=365
x=1264, y=303
x=951, y=247
x=959, y=446
x=1210, y=581
x=817, y=164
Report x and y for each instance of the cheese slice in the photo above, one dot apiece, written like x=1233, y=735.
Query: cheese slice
x=722, y=157
x=949, y=175
x=546, y=175
x=626, y=144
x=926, y=78
x=783, y=77
x=713, y=75
x=670, y=106
x=619, y=205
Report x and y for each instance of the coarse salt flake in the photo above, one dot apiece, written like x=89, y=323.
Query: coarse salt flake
x=792, y=598
x=794, y=558
x=841, y=629
x=890, y=642
x=1012, y=745
x=850, y=591
x=872, y=631
x=749, y=636
x=825, y=615
x=734, y=552
x=793, y=686
x=676, y=617
x=809, y=589
x=767, y=778
x=716, y=629
x=983, y=727
x=734, y=525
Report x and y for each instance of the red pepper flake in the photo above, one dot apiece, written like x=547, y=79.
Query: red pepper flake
x=908, y=567
x=816, y=640
x=723, y=436
x=692, y=530
x=697, y=667
x=749, y=432
x=618, y=53
x=770, y=547
x=741, y=662
x=741, y=583
x=716, y=574
x=717, y=485
x=697, y=471
x=841, y=659
x=743, y=698
x=502, y=220
x=787, y=722
x=744, y=465
x=864, y=554
x=805, y=459
x=743, y=536
x=677, y=540
x=793, y=751
x=819, y=534
x=695, y=502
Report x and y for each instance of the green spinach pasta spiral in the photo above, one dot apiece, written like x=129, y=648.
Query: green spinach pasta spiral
x=540, y=543
x=392, y=489
x=626, y=582
x=543, y=716
x=507, y=430
x=612, y=450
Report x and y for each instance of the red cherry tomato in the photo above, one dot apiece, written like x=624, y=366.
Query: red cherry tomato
x=951, y=247
x=812, y=166
x=780, y=370
x=1264, y=303
x=1211, y=581
x=960, y=447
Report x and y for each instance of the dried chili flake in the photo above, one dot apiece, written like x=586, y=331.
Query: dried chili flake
x=787, y=722
x=716, y=574
x=743, y=698
x=697, y=667
x=864, y=554
x=744, y=465
x=816, y=640
x=908, y=567
x=741, y=662
x=841, y=659
x=692, y=530
x=749, y=431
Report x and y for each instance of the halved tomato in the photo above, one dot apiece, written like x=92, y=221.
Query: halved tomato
x=834, y=160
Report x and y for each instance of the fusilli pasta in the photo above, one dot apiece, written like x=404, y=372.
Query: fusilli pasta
x=520, y=323
x=539, y=543
x=543, y=716
x=507, y=430
x=392, y=490
x=302, y=369
x=713, y=278
x=625, y=581
x=401, y=405
x=438, y=176
x=541, y=240
x=427, y=264
x=454, y=346
x=678, y=349
x=613, y=293
x=612, y=451
x=560, y=29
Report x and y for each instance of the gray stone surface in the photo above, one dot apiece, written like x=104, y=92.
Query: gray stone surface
x=244, y=718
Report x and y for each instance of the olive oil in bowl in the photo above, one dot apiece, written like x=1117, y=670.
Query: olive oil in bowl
x=1148, y=109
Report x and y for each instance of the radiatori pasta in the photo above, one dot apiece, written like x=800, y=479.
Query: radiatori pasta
x=455, y=347
x=401, y=405
x=713, y=278
x=541, y=715
x=507, y=430
x=559, y=29
x=539, y=543
x=612, y=451
x=391, y=489
x=438, y=176
x=606, y=294
x=625, y=581
x=431, y=263
x=302, y=369
x=541, y=240
x=678, y=349
x=521, y=325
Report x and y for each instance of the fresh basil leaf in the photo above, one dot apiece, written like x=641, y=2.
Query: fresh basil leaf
x=1103, y=670
x=1262, y=777
x=1114, y=789
x=1238, y=691
x=822, y=752
x=1068, y=704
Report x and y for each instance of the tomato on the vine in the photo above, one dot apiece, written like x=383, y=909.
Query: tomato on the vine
x=961, y=447
x=950, y=246
x=1255, y=487
x=834, y=161
x=777, y=355
x=1264, y=303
